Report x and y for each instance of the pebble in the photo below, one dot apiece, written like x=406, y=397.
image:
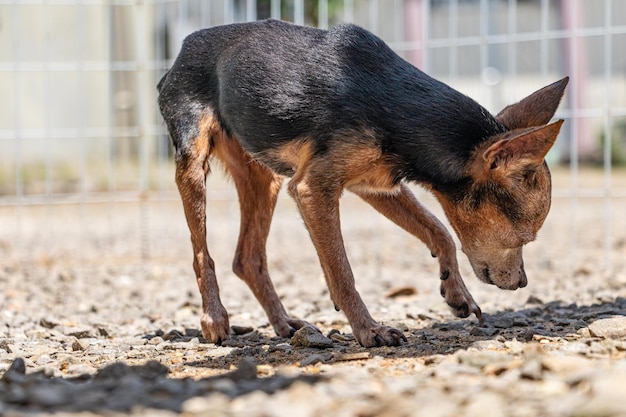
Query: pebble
x=344, y=357
x=483, y=331
x=613, y=327
x=241, y=330
x=401, y=291
x=79, y=345
x=310, y=337
x=313, y=359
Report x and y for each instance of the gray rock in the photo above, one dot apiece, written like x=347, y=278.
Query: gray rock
x=312, y=360
x=241, y=330
x=310, y=337
x=48, y=323
x=16, y=372
x=483, y=331
x=609, y=327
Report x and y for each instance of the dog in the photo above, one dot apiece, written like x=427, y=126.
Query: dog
x=338, y=109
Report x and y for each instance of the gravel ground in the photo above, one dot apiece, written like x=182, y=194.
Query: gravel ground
x=100, y=316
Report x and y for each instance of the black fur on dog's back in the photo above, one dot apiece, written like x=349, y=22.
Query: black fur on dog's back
x=271, y=82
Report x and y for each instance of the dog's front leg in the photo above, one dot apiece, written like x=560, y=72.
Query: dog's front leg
x=403, y=209
x=318, y=202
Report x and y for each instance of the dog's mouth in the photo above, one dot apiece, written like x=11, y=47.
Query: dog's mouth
x=486, y=276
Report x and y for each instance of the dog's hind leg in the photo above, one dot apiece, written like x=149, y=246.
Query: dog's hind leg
x=257, y=188
x=403, y=209
x=192, y=167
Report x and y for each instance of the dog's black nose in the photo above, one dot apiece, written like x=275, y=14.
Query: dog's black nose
x=523, y=280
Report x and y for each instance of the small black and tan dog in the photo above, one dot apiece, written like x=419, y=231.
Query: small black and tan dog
x=337, y=110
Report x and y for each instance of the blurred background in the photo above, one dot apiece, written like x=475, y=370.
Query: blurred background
x=86, y=171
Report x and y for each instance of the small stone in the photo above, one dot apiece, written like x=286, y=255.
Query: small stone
x=241, y=330
x=341, y=337
x=311, y=360
x=281, y=347
x=487, y=345
x=156, y=340
x=6, y=346
x=79, y=345
x=503, y=322
x=401, y=291
x=526, y=335
x=79, y=333
x=609, y=327
x=310, y=337
x=16, y=372
x=352, y=356
x=102, y=331
x=483, y=331
x=245, y=371
x=173, y=335
x=47, y=323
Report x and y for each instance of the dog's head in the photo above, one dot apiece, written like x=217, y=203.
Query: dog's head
x=507, y=194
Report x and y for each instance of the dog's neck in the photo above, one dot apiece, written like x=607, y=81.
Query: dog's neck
x=434, y=148
x=428, y=128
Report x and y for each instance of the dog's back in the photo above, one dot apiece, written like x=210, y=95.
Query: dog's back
x=271, y=82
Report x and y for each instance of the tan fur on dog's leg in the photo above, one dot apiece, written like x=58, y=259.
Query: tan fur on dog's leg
x=257, y=188
x=403, y=209
x=191, y=171
x=318, y=202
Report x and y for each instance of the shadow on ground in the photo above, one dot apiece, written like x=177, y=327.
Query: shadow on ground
x=119, y=387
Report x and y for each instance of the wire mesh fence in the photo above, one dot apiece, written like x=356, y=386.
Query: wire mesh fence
x=85, y=158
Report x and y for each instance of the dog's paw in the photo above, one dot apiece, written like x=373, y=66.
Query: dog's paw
x=378, y=335
x=287, y=326
x=458, y=297
x=215, y=327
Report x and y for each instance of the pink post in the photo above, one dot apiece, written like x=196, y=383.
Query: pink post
x=415, y=30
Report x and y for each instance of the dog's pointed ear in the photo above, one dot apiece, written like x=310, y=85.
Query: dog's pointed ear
x=526, y=150
x=535, y=110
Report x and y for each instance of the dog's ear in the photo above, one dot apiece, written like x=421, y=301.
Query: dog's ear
x=535, y=110
x=525, y=150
